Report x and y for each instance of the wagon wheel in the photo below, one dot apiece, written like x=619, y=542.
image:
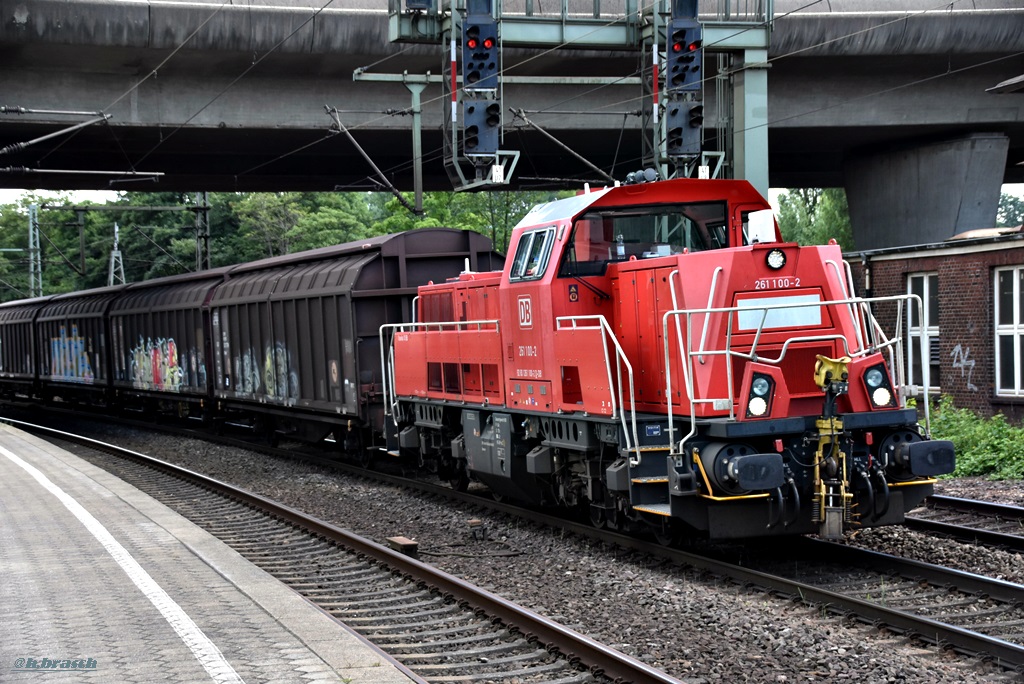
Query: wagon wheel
x=459, y=479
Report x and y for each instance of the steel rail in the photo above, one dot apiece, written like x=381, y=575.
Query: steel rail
x=599, y=658
x=1008, y=655
x=971, y=533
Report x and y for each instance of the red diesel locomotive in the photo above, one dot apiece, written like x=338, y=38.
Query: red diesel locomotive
x=653, y=353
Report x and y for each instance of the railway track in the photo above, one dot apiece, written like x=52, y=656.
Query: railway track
x=442, y=628
x=982, y=522
x=970, y=614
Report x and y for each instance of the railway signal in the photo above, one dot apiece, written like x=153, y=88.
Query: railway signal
x=685, y=56
x=480, y=53
x=481, y=120
x=684, y=109
x=683, y=124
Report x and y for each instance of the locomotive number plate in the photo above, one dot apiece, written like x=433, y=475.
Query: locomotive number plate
x=776, y=283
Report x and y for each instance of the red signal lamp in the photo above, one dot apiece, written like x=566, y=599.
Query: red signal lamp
x=471, y=43
x=488, y=43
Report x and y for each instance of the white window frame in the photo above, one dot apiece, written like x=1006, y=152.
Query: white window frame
x=535, y=243
x=1014, y=329
x=926, y=327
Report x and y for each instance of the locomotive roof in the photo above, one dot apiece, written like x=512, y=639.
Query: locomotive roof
x=661, y=192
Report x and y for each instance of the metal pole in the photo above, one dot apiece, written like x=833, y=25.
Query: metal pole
x=417, y=143
x=202, y=231
x=35, y=262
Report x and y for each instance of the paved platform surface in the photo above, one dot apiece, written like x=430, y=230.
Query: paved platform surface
x=100, y=582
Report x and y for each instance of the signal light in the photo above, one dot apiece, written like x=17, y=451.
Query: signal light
x=684, y=56
x=493, y=114
x=696, y=119
x=481, y=125
x=682, y=138
x=472, y=138
x=479, y=53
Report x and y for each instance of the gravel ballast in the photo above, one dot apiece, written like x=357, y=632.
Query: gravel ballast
x=699, y=629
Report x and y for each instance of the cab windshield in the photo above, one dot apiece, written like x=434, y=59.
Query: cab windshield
x=612, y=234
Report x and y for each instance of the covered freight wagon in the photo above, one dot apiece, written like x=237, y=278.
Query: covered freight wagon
x=160, y=341
x=295, y=338
x=19, y=346
x=74, y=356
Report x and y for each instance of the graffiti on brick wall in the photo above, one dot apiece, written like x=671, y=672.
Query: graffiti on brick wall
x=962, y=360
x=158, y=365
x=274, y=377
x=69, y=357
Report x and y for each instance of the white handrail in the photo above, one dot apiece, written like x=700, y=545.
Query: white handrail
x=892, y=346
x=387, y=357
x=849, y=307
x=711, y=300
x=621, y=360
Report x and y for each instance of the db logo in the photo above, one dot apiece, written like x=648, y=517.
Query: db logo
x=525, y=312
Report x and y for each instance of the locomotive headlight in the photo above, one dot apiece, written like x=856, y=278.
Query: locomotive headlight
x=757, y=407
x=876, y=381
x=759, y=399
x=881, y=397
x=776, y=259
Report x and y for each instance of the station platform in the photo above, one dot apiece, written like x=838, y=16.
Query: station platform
x=100, y=582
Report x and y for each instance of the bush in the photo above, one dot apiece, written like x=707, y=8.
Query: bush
x=984, y=446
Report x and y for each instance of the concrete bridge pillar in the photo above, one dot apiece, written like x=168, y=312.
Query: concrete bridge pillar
x=925, y=193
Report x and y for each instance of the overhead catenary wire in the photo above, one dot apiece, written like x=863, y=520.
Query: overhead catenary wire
x=154, y=72
x=634, y=99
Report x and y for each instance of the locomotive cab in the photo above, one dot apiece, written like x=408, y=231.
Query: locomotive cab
x=655, y=355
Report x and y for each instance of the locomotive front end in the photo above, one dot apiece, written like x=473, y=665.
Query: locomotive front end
x=798, y=399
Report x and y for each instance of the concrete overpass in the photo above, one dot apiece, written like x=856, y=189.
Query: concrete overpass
x=891, y=104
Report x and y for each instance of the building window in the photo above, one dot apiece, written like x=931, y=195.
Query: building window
x=1009, y=316
x=923, y=328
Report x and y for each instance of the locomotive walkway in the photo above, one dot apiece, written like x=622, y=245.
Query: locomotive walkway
x=103, y=583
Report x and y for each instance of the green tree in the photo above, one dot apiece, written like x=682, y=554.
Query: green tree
x=493, y=214
x=333, y=218
x=813, y=216
x=1010, y=212
x=269, y=220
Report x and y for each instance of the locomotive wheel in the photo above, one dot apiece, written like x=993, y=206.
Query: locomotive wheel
x=460, y=481
x=365, y=458
x=667, y=533
x=597, y=516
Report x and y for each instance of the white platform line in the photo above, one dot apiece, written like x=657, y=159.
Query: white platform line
x=205, y=651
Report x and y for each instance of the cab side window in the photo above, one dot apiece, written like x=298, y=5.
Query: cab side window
x=532, y=255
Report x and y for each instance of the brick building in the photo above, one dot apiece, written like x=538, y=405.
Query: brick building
x=972, y=287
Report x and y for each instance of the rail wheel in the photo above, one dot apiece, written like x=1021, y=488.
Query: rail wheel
x=459, y=480
x=667, y=532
